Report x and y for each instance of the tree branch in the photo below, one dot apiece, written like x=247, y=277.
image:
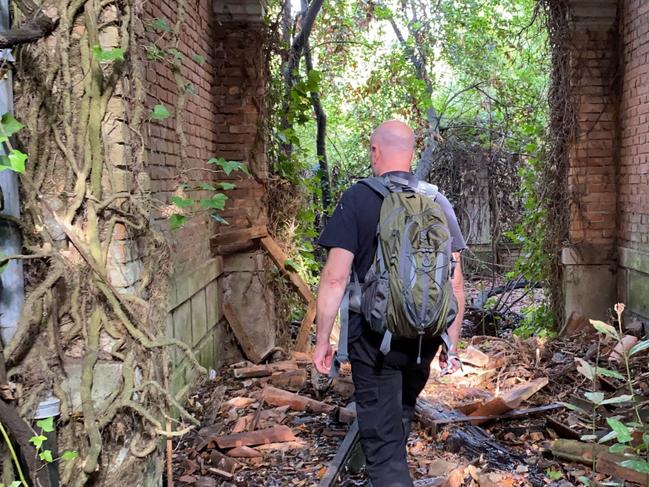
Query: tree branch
x=41, y=25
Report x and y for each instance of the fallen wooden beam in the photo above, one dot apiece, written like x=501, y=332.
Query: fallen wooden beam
x=302, y=341
x=474, y=442
x=474, y=356
x=279, y=257
x=508, y=400
x=278, y=397
x=240, y=332
x=292, y=380
x=242, y=235
x=605, y=462
x=511, y=414
x=344, y=453
x=264, y=370
x=276, y=434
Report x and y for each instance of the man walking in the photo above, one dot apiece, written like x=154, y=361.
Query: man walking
x=386, y=384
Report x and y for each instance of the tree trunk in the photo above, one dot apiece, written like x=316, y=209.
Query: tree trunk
x=321, y=139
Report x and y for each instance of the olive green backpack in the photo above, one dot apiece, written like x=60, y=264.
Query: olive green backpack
x=407, y=291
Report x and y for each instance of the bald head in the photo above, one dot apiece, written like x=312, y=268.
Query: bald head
x=393, y=145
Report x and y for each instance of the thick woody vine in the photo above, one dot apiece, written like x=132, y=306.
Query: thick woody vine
x=67, y=90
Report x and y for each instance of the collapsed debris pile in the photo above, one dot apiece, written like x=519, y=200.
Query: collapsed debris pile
x=279, y=424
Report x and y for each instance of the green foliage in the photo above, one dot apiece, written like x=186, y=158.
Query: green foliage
x=37, y=440
x=553, y=474
x=46, y=456
x=198, y=59
x=107, y=55
x=46, y=425
x=177, y=220
x=229, y=166
x=161, y=25
x=9, y=126
x=69, y=455
x=538, y=320
x=620, y=431
x=160, y=112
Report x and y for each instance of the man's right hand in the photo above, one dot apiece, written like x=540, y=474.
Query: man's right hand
x=323, y=355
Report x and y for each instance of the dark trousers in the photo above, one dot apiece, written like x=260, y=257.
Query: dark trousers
x=386, y=390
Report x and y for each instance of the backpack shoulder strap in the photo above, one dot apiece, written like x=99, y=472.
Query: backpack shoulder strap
x=377, y=184
x=427, y=189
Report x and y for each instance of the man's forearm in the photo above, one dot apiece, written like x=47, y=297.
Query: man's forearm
x=330, y=294
x=456, y=328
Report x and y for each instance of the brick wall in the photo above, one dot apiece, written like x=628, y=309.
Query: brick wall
x=633, y=196
x=589, y=257
x=221, y=115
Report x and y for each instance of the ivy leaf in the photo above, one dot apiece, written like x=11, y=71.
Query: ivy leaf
x=189, y=88
x=175, y=53
x=15, y=161
x=226, y=186
x=69, y=455
x=46, y=456
x=605, y=328
x=9, y=126
x=617, y=399
x=207, y=187
x=176, y=221
x=595, y=397
x=161, y=24
x=623, y=433
x=639, y=347
x=160, y=112
x=47, y=424
x=641, y=466
x=219, y=219
x=107, y=55
x=182, y=202
x=199, y=59
x=37, y=441
x=291, y=265
x=154, y=53
x=216, y=202
x=229, y=166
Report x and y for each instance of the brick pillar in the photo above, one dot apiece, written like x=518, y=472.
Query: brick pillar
x=590, y=258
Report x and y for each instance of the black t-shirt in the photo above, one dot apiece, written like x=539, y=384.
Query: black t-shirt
x=353, y=227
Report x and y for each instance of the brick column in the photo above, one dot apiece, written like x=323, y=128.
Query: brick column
x=589, y=260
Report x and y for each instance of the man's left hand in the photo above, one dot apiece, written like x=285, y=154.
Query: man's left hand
x=449, y=363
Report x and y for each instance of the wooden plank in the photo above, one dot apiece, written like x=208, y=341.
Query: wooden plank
x=265, y=370
x=278, y=397
x=474, y=356
x=511, y=414
x=241, y=235
x=605, y=462
x=508, y=400
x=279, y=257
x=292, y=380
x=276, y=434
x=247, y=344
x=342, y=456
x=302, y=341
